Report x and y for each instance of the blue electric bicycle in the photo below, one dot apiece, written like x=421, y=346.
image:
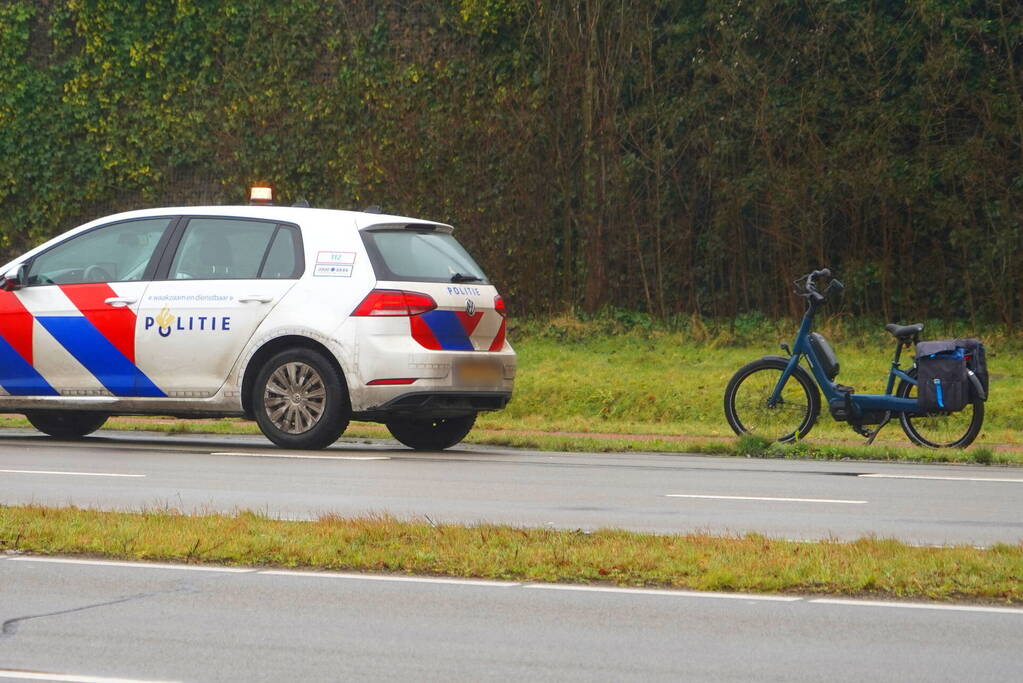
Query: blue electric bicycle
x=777, y=398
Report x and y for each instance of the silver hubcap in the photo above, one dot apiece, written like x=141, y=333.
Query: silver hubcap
x=294, y=398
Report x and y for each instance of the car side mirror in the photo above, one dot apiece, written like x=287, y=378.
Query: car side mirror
x=14, y=278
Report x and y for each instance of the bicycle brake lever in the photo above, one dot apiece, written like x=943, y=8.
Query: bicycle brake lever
x=799, y=285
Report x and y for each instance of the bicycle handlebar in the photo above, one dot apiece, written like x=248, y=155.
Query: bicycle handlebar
x=806, y=286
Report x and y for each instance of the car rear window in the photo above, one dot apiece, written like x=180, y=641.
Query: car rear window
x=420, y=255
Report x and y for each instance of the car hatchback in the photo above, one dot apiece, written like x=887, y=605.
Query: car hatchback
x=301, y=319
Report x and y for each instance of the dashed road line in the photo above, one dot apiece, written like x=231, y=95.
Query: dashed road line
x=132, y=565
x=917, y=605
x=1003, y=480
x=772, y=500
x=240, y=454
x=68, y=678
x=390, y=577
x=454, y=581
x=73, y=474
x=655, y=591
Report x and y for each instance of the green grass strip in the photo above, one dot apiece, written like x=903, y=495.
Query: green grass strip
x=753, y=563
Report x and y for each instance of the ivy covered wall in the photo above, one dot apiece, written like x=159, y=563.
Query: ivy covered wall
x=674, y=157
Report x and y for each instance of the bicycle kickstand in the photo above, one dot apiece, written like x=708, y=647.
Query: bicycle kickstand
x=873, y=434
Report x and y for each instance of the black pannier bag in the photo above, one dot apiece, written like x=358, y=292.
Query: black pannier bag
x=821, y=349
x=976, y=362
x=942, y=381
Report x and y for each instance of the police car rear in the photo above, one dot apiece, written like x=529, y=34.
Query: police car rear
x=434, y=351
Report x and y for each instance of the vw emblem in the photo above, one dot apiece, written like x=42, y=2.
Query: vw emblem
x=470, y=307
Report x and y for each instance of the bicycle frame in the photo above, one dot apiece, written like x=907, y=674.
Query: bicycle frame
x=883, y=402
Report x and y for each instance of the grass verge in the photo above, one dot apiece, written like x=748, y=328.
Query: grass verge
x=867, y=567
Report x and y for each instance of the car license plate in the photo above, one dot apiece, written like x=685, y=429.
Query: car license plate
x=478, y=372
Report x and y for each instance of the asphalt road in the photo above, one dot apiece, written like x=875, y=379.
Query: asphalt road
x=647, y=492
x=95, y=621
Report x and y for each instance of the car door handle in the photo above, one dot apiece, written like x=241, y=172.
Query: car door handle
x=258, y=298
x=119, y=301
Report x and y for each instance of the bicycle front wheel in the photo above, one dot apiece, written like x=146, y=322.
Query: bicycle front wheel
x=749, y=409
x=940, y=430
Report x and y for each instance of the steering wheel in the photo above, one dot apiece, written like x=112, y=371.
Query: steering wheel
x=96, y=274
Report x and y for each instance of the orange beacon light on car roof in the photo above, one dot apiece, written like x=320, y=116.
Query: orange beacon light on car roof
x=261, y=195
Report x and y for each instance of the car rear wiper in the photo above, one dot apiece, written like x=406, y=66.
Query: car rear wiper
x=458, y=277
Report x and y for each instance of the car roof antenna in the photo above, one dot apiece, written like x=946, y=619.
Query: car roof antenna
x=372, y=209
x=302, y=204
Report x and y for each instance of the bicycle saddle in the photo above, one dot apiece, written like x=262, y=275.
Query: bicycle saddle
x=904, y=331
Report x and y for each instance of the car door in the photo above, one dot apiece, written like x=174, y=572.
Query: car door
x=215, y=286
x=71, y=329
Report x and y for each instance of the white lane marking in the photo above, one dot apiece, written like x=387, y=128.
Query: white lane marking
x=503, y=584
x=655, y=591
x=239, y=454
x=72, y=474
x=71, y=678
x=136, y=565
x=937, y=478
x=388, y=577
x=777, y=500
x=918, y=605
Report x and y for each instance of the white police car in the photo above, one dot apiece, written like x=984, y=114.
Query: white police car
x=299, y=318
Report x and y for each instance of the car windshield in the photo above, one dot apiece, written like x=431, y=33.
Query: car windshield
x=420, y=255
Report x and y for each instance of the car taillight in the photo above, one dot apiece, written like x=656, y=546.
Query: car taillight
x=394, y=302
x=499, y=306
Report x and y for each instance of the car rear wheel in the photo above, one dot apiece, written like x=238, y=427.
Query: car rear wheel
x=66, y=424
x=431, y=435
x=300, y=400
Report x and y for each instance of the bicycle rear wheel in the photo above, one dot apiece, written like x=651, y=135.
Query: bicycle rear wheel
x=940, y=430
x=749, y=410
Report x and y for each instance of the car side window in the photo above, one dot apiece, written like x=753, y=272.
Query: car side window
x=284, y=257
x=221, y=249
x=118, y=252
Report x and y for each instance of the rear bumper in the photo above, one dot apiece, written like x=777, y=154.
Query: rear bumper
x=437, y=404
x=438, y=384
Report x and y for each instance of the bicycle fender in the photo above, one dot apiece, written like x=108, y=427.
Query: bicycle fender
x=978, y=389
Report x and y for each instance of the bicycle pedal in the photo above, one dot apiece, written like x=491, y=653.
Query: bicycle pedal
x=860, y=429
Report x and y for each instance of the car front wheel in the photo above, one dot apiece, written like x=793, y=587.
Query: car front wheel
x=431, y=435
x=300, y=400
x=66, y=424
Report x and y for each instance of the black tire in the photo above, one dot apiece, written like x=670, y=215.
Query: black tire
x=66, y=424
x=431, y=435
x=746, y=401
x=940, y=430
x=300, y=400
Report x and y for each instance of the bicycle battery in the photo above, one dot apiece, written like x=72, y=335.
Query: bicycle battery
x=825, y=356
